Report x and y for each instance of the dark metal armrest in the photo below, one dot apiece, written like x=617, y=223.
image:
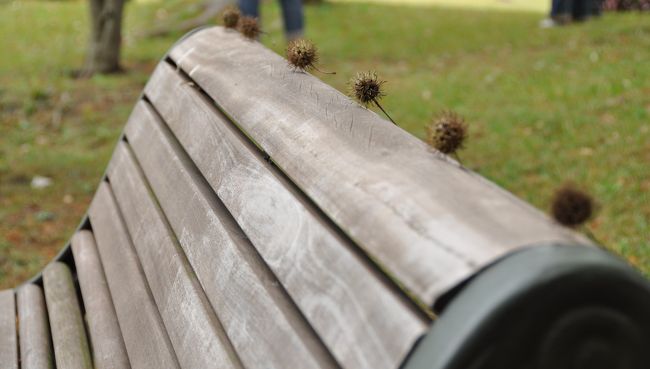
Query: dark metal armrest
x=548, y=307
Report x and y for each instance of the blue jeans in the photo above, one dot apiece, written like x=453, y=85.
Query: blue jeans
x=560, y=7
x=291, y=13
x=578, y=9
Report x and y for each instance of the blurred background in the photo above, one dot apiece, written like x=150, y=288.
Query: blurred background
x=544, y=106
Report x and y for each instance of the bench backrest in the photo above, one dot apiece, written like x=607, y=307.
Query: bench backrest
x=278, y=224
x=254, y=217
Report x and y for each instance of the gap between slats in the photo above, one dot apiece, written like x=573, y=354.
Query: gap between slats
x=184, y=106
x=67, y=328
x=104, y=334
x=228, y=220
x=196, y=291
x=17, y=327
x=114, y=240
x=382, y=272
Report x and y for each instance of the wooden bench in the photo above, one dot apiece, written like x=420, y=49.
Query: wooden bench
x=254, y=217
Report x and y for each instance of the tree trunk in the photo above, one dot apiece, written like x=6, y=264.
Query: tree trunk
x=105, y=37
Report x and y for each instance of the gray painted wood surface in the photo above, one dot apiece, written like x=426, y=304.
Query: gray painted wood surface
x=263, y=324
x=8, y=332
x=145, y=337
x=194, y=330
x=359, y=317
x=106, y=341
x=429, y=222
x=66, y=324
x=33, y=329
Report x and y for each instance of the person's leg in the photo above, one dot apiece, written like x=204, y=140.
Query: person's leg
x=596, y=6
x=564, y=11
x=552, y=16
x=293, y=18
x=250, y=8
x=555, y=8
x=579, y=11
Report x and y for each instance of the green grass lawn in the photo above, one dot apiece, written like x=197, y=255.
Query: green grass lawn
x=544, y=106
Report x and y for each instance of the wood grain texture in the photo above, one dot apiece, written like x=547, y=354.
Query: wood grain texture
x=103, y=328
x=67, y=326
x=358, y=317
x=429, y=222
x=145, y=337
x=194, y=330
x=8, y=333
x=34, y=329
x=265, y=328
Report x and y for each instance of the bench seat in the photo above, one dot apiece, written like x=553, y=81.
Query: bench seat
x=253, y=217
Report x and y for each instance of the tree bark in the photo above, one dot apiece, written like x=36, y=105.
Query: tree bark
x=105, y=37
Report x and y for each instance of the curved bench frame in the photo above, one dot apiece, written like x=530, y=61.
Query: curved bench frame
x=475, y=329
x=65, y=255
x=538, y=285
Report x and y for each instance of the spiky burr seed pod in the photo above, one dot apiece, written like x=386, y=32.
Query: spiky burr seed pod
x=249, y=27
x=367, y=87
x=571, y=206
x=447, y=133
x=231, y=16
x=302, y=54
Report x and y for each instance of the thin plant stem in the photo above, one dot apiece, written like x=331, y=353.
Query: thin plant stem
x=382, y=109
x=318, y=70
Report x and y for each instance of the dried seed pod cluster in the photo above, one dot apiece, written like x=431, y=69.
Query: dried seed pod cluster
x=447, y=133
x=231, y=17
x=571, y=206
x=367, y=87
x=302, y=54
x=249, y=27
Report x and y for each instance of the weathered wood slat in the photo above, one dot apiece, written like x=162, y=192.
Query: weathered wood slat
x=428, y=222
x=105, y=337
x=34, y=329
x=67, y=326
x=8, y=333
x=360, y=319
x=145, y=338
x=265, y=328
x=190, y=321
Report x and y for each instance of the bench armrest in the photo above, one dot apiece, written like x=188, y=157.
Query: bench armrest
x=549, y=307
